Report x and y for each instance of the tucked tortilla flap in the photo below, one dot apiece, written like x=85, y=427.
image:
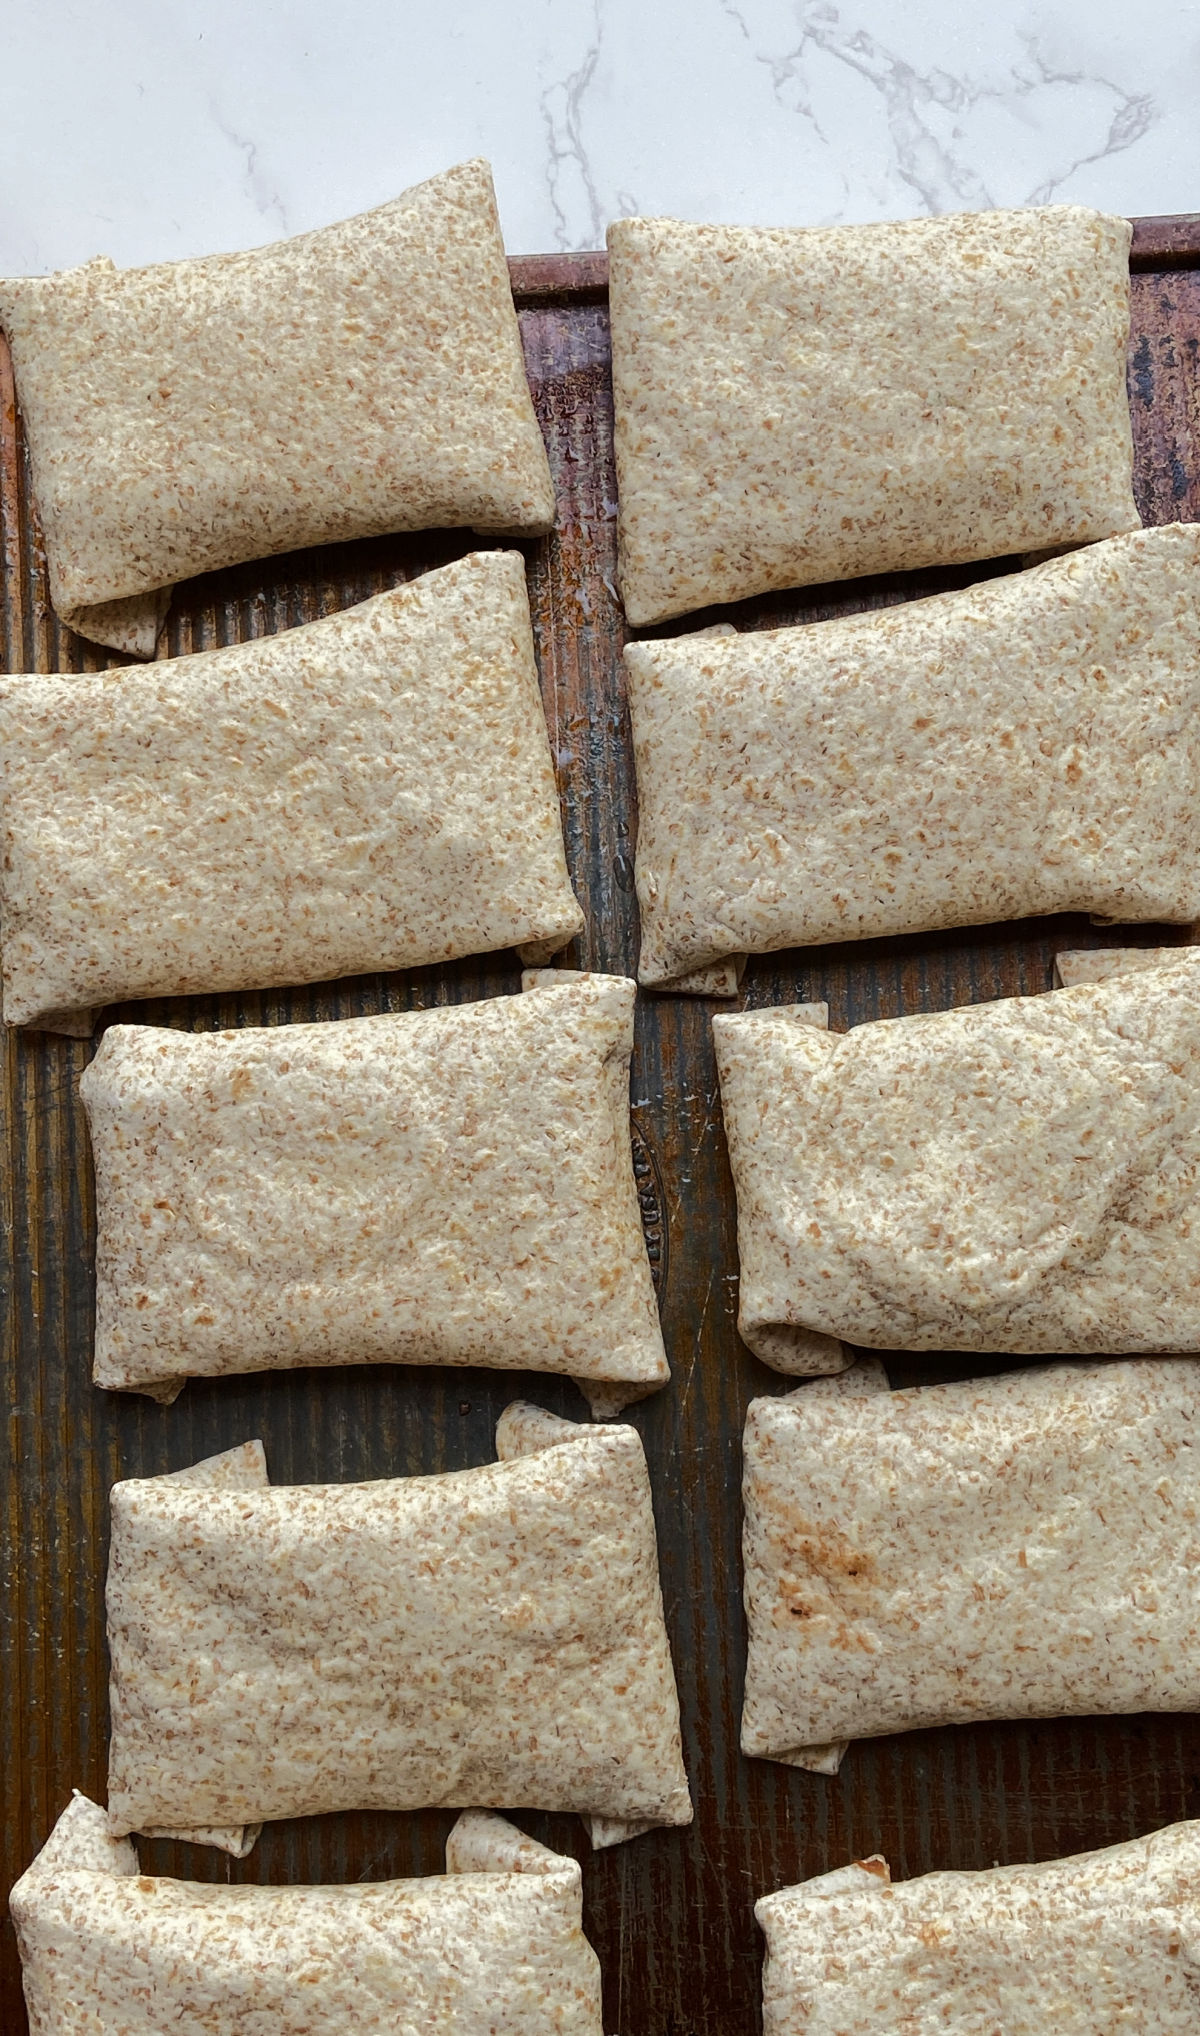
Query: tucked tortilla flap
x=1097, y=964
x=1015, y=1176
x=865, y=1375
x=369, y=791
x=1026, y=745
x=450, y=1186
x=899, y=1574
x=485, y=1637
x=806, y=405
x=1099, y=1942
x=371, y=379
x=494, y=1947
x=241, y=1469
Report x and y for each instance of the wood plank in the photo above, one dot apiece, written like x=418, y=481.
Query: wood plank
x=671, y=1914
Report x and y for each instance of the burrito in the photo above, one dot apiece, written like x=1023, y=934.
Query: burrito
x=364, y=378
x=809, y=404
x=486, y=1637
x=371, y=791
x=1089, y=1946
x=1027, y=745
x=1015, y=1547
x=452, y=1186
x=1018, y=1176
x=495, y=1947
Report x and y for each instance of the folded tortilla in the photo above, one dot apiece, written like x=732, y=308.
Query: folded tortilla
x=495, y=1947
x=810, y=404
x=1018, y=1176
x=1014, y=1547
x=1097, y=964
x=1093, y=1945
x=364, y=378
x=865, y=1375
x=452, y=1186
x=371, y=791
x=489, y=1637
x=1027, y=745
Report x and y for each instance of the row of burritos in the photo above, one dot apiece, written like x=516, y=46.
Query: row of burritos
x=495, y=1946
x=375, y=790
x=790, y=407
x=456, y=1186
x=1022, y=1546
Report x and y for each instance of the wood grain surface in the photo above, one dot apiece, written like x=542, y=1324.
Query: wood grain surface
x=670, y=1914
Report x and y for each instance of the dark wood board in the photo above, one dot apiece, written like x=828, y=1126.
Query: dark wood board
x=670, y=1914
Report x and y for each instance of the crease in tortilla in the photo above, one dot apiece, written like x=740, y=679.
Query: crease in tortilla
x=1087, y=1945
x=364, y=378
x=370, y=791
x=1023, y=746
x=812, y=404
x=449, y=1186
x=1015, y=1176
x=494, y=1947
x=485, y=1637
x=1021, y=1546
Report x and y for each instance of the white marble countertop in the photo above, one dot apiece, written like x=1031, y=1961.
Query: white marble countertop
x=149, y=129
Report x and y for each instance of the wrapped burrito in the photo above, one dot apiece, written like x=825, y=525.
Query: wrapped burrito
x=1097, y=1945
x=495, y=1947
x=451, y=1186
x=1015, y=1547
x=1017, y=1176
x=1027, y=745
x=811, y=404
x=372, y=791
x=364, y=378
x=489, y=1637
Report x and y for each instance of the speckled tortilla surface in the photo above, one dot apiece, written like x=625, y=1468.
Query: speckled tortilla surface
x=364, y=378
x=1026, y=745
x=811, y=404
x=490, y=1637
x=1018, y=1176
x=1015, y=1547
x=1097, y=964
x=1098, y=1945
x=484, y=1950
x=370, y=791
x=451, y=1186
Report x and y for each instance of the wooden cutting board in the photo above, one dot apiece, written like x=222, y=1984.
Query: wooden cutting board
x=670, y=1914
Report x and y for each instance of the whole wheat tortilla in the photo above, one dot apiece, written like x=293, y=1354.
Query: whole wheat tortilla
x=1026, y=745
x=1014, y=1547
x=865, y=1375
x=495, y=1947
x=487, y=1637
x=371, y=791
x=451, y=1186
x=1018, y=1176
x=805, y=405
x=364, y=378
x=1097, y=964
x=1097, y=1944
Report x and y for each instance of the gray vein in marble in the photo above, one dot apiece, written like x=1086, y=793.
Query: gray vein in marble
x=1133, y=117
x=929, y=164
x=561, y=107
x=265, y=200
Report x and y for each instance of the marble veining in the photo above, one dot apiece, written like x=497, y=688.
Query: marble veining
x=151, y=132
